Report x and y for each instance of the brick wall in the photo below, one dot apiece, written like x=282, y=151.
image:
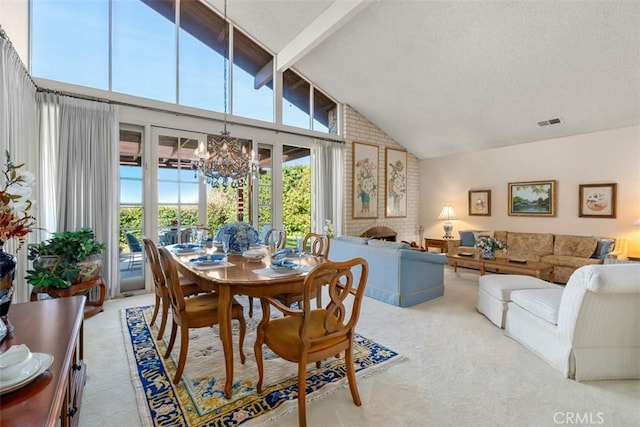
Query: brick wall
x=358, y=128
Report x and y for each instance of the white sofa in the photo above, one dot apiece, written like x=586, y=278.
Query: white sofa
x=590, y=330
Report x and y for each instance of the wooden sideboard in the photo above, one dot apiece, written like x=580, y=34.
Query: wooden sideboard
x=54, y=327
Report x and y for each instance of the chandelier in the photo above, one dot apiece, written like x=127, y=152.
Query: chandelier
x=224, y=161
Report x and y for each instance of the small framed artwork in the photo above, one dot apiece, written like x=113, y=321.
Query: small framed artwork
x=597, y=201
x=365, y=180
x=395, y=183
x=480, y=202
x=532, y=198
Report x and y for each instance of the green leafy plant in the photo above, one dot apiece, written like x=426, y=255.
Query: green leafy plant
x=66, y=249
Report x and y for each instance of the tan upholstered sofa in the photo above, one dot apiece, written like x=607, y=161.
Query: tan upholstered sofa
x=565, y=252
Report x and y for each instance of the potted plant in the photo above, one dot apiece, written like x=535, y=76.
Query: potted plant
x=68, y=258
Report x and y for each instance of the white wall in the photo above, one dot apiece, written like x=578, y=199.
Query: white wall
x=14, y=18
x=602, y=157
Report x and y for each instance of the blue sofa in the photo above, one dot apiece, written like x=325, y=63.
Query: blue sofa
x=397, y=274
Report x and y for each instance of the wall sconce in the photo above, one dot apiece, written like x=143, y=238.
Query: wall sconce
x=447, y=213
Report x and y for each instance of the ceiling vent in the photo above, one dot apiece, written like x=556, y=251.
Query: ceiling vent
x=555, y=121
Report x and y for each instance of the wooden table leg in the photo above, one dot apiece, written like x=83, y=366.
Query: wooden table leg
x=224, y=307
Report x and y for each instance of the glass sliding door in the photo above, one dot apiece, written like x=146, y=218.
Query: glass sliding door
x=131, y=208
x=296, y=191
x=180, y=203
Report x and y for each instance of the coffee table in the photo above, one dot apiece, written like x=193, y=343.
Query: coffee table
x=503, y=265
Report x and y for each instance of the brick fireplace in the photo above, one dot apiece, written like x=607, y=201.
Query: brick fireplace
x=380, y=232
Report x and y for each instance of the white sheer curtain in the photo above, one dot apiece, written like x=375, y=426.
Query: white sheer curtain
x=18, y=135
x=326, y=185
x=79, y=171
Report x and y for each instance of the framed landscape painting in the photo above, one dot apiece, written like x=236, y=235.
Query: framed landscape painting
x=597, y=201
x=365, y=180
x=480, y=202
x=532, y=198
x=395, y=183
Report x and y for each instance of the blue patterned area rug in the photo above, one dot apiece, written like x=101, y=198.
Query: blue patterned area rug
x=198, y=399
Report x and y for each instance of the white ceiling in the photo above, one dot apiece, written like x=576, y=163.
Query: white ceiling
x=444, y=77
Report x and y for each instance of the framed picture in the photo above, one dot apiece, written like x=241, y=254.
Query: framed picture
x=395, y=202
x=597, y=201
x=365, y=180
x=480, y=202
x=532, y=198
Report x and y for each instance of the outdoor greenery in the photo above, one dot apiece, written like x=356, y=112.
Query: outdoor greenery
x=222, y=207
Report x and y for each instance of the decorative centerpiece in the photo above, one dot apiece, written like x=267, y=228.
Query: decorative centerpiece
x=241, y=236
x=68, y=258
x=488, y=246
x=15, y=223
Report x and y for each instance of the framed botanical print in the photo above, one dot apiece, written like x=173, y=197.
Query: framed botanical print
x=365, y=180
x=532, y=198
x=480, y=202
x=597, y=200
x=395, y=183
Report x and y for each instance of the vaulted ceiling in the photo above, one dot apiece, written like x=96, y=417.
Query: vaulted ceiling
x=444, y=77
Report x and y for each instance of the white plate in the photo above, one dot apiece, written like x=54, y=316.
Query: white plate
x=254, y=254
x=39, y=363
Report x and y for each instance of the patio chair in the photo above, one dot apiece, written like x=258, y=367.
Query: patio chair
x=134, y=248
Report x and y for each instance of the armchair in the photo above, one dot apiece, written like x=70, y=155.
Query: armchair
x=590, y=329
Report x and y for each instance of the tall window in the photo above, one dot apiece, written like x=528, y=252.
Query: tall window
x=144, y=49
x=296, y=190
x=151, y=58
x=201, y=57
x=58, y=52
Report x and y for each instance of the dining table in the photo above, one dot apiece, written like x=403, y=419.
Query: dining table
x=241, y=276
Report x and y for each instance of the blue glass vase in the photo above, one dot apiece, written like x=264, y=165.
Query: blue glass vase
x=7, y=275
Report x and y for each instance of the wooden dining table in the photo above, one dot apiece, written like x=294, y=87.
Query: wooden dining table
x=241, y=276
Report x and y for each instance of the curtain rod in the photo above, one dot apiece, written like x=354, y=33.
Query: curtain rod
x=176, y=113
x=5, y=36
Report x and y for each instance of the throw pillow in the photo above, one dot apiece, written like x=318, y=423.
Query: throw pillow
x=477, y=234
x=467, y=238
x=603, y=247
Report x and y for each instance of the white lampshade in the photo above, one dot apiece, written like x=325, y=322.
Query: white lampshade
x=447, y=213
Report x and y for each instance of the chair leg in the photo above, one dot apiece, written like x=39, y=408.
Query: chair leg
x=257, y=351
x=351, y=374
x=156, y=309
x=243, y=330
x=172, y=339
x=165, y=315
x=302, y=392
x=251, y=307
x=184, y=346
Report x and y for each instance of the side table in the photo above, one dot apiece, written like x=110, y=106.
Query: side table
x=440, y=243
x=92, y=307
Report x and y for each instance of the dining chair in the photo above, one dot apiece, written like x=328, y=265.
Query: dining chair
x=160, y=285
x=307, y=335
x=280, y=240
x=278, y=237
x=318, y=246
x=195, y=312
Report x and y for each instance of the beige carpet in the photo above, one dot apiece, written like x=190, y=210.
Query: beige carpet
x=460, y=370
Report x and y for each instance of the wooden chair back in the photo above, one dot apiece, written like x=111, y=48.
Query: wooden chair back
x=151, y=250
x=278, y=237
x=176, y=297
x=318, y=244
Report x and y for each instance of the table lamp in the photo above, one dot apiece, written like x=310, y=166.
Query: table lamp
x=447, y=214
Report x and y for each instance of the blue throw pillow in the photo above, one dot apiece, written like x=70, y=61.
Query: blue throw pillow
x=467, y=238
x=603, y=247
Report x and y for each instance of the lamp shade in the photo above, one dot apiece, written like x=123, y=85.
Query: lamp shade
x=636, y=222
x=447, y=213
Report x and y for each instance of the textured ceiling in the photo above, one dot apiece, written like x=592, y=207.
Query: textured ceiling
x=443, y=77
